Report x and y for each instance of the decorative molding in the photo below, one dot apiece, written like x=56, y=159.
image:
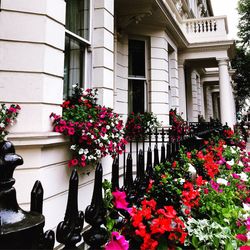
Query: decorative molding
x=36, y=139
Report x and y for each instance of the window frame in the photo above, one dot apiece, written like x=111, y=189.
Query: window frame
x=140, y=78
x=85, y=45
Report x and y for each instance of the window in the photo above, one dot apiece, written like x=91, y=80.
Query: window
x=137, y=84
x=77, y=38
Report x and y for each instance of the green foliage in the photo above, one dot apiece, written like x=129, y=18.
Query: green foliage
x=208, y=234
x=244, y=22
x=241, y=63
x=108, y=204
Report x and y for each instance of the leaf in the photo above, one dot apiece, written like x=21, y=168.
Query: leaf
x=229, y=246
x=195, y=241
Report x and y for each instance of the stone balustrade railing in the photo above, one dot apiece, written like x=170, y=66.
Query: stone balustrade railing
x=205, y=29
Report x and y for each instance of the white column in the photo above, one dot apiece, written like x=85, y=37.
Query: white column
x=194, y=97
x=216, y=104
x=226, y=97
x=209, y=104
x=202, y=100
x=182, y=89
x=103, y=51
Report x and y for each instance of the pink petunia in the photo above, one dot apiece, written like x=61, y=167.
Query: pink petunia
x=241, y=237
x=235, y=176
x=117, y=242
x=120, y=200
x=245, y=248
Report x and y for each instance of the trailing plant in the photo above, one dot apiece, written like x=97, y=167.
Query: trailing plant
x=139, y=125
x=180, y=127
x=7, y=117
x=94, y=130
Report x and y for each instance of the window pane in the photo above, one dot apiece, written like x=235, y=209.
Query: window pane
x=136, y=96
x=73, y=66
x=77, y=17
x=136, y=58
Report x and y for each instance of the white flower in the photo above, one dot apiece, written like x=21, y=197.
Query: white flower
x=73, y=147
x=243, y=176
x=231, y=163
x=1, y=125
x=222, y=181
x=74, y=86
x=192, y=171
x=246, y=207
x=92, y=137
x=107, y=127
x=101, y=144
x=81, y=151
x=248, y=235
x=105, y=137
x=240, y=164
x=181, y=180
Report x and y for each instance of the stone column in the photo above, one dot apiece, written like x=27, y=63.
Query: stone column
x=226, y=97
x=202, y=99
x=182, y=89
x=194, y=108
x=216, y=104
x=209, y=104
x=103, y=47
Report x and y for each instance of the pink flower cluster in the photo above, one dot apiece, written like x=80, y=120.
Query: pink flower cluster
x=7, y=116
x=94, y=130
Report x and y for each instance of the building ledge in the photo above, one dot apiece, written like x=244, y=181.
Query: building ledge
x=36, y=139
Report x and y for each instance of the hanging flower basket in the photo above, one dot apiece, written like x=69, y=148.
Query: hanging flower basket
x=94, y=130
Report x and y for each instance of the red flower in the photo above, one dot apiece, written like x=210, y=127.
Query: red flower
x=174, y=164
x=65, y=104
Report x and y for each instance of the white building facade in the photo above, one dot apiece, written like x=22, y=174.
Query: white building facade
x=142, y=55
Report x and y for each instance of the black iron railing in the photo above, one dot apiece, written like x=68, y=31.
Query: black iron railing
x=137, y=163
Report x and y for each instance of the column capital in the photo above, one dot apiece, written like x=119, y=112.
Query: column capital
x=181, y=62
x=222, y=61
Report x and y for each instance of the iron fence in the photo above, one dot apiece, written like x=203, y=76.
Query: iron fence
x=24, y=230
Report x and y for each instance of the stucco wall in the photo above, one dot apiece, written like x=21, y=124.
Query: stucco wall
x=31, y=74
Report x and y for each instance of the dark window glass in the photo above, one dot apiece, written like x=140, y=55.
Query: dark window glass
x=77, y=17
x=136, y=58
x=136, y=96
x=73, y=65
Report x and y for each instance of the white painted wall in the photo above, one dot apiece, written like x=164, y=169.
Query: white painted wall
x=31, y=74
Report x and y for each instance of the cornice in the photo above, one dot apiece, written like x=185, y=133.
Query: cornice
x=174, y=27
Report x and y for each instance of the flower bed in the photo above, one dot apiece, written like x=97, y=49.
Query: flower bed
x=181, y=211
